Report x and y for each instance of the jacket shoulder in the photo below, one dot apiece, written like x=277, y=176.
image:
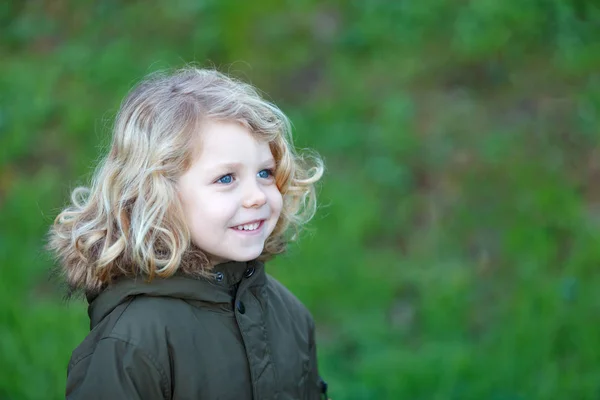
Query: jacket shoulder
x=291, y=302
x=142, y=321
x=147, y=320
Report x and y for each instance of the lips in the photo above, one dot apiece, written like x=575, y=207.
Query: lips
x=249, y=226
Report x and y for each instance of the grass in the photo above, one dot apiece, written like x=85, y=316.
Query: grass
x=454, y=255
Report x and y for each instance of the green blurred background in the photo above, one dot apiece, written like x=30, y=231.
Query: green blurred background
x=455, y=254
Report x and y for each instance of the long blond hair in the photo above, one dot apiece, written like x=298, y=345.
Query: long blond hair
x=130, y=220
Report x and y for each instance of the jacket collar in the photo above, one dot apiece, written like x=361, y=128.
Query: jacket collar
x=213, y=290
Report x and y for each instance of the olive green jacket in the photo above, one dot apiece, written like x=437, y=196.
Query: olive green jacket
x=240, y=336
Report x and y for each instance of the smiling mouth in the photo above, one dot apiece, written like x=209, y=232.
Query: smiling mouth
x=250, y=226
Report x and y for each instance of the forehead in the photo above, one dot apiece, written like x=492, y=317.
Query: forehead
x=230, y=142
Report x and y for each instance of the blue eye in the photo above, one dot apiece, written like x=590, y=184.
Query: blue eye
x=265, y=173
x=225, y=179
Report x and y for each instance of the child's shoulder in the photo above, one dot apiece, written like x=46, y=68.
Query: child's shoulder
x=137, y=322
x=141, y=320
x=144, y=312
x=284, y=296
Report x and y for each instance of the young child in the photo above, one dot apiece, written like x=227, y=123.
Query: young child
x=201, y=186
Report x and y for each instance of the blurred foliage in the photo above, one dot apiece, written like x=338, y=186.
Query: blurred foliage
x=455, y=253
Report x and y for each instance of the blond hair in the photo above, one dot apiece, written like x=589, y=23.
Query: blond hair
x=130, y=220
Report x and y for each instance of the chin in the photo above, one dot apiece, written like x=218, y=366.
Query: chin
x=247, y=255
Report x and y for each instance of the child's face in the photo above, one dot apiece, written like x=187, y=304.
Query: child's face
x=229, y=195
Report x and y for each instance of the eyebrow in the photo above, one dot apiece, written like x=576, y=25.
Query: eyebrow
x=228, y=166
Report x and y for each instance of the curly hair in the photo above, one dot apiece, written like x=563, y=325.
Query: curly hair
x=130, y=220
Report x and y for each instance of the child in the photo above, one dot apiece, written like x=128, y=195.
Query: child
x=200, y=187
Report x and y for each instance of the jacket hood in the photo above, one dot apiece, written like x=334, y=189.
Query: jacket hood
x=215, y=290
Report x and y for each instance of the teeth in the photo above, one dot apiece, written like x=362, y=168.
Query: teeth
x=249, y=227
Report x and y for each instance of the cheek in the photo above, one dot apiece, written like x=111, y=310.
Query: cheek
x=276, y=201
x=198, y=208
x=212, y=207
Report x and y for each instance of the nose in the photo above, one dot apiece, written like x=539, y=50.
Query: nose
x=254, y=196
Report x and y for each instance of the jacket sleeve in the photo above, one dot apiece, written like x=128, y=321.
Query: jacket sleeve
x=318, y=387
x=116, y=370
